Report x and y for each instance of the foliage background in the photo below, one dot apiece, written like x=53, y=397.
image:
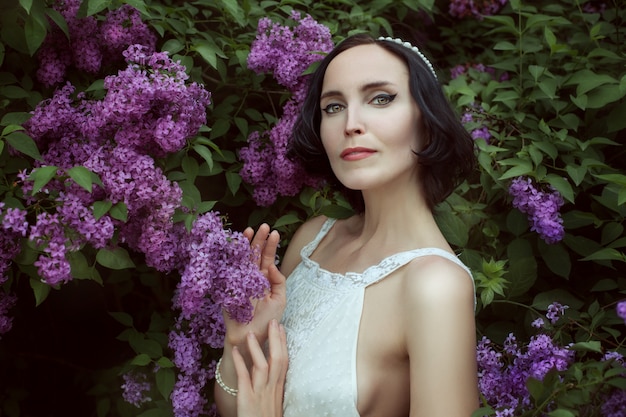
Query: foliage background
x=558, y=117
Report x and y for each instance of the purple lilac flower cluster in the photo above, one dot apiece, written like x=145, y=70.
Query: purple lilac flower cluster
x=475, y=8
x=286, y=52
x=541, y=207
x=135, y=388
x=219, y=272
x=117, y=138
x=90, y=43
x=502, y=373
x=614, y=405
x=13, y=226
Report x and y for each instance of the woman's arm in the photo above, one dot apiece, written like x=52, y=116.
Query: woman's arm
x=268, y=308
x=441, y=339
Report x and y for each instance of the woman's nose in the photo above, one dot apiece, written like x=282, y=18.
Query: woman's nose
x=354, y=122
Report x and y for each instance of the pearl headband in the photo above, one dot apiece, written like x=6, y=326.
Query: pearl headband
x=412, y=48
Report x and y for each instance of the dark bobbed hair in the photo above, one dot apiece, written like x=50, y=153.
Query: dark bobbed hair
x=446, y=160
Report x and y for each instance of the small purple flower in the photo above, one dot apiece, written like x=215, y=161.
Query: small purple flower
x=555, y=311
x=135, y=389
x=538, y=323
x=621, y=310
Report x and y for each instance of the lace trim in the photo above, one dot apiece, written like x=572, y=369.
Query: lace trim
x=373, y=273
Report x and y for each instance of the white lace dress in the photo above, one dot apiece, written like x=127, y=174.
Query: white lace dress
x=322, y=323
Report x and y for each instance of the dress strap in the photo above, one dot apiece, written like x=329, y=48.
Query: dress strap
x=308, y=249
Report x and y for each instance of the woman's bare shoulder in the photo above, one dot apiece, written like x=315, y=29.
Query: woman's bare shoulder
x=437, y=280
x=305, y=234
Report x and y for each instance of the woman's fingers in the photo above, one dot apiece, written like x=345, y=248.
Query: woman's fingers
x=268, y=253
x=259, y=363
x=258, y=242
x=243, y=378
x=277, y=353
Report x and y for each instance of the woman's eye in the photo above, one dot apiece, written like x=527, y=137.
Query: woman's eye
x=333, y=108
x=383, y=99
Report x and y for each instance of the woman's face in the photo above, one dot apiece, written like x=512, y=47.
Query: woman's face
x=370, y=124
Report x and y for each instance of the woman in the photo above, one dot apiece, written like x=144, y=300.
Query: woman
x=379, y=315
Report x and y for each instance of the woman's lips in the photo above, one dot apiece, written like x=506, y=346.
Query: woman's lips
x=355, y=154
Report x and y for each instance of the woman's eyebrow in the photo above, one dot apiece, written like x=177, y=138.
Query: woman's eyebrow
x=365, y=87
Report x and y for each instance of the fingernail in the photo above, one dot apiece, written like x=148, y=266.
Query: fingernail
x=274, y=323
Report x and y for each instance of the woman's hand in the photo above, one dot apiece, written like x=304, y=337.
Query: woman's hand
x=261, y=388
x=272, y=305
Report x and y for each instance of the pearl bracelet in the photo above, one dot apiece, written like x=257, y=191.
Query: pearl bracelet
x=218, y=378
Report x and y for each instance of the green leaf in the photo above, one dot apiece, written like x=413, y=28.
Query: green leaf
x=535, y=388
x=96, y=6
x=208, y=51
x=522, y=167
x=233, y=8
x=556, y=258
x=205, y=153
x=80, y=267
x=336, y=211
x=40, y=290
x=42, y=176
x=58, y=18
x=591, y=346
x=117, y=258
x=119, y=211
x=605, y=254
x=562, y=186
x=147, y=346
x=15, y=118
x=544, y=299
x=141, y=360
x=618, y=179
x=165, y=379
x=26, y=4
x=35, y=33
x=561, y=412
x=233, y=180
x=165, y=362
x=453, y=227
x=618, y=383
x=576, y=173
x=23, y=143
x=289, y=218
x=605, y=285
x=100, y=208
x=483, y=411
x=82, y=176
x=122, y=318
x=157, y=412
x=173, y=46
x=522, y=267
